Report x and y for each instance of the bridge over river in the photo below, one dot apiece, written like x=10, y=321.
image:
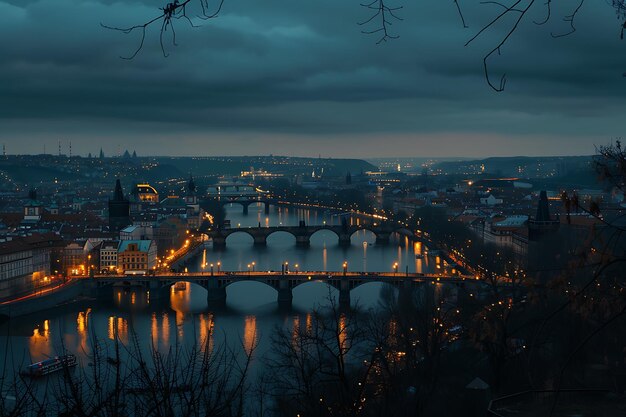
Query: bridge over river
x=283, y=282
x=303, y=233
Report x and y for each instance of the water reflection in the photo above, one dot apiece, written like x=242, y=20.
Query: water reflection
x=165, y=329
x=82, y=323
x=249, y=334
x=154, y=330
x=206, y=331
x=251, y=307
x=39, y=344
x=118, y=329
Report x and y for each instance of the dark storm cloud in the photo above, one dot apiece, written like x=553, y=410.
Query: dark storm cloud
x=277, y=73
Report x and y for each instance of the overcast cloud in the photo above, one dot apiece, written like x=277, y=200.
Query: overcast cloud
x=298, y=78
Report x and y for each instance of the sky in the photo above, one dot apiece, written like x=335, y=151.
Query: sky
x=299, y=78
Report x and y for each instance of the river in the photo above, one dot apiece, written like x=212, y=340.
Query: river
x=251, y=313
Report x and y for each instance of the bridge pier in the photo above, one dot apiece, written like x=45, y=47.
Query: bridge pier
x=344, y=292
x=344, y=239
x=303, y=240
x=382, y=238
x=285, y=295
x=267, y=207
x=260, y=239
x=216, y=296
x=219, y=242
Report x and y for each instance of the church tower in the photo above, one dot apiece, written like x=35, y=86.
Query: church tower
x=119, y=209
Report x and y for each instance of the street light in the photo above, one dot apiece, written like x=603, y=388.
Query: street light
x=253, y=265
x=211, y=269
x=219, y=264
x=395, y=268
x=345, y=267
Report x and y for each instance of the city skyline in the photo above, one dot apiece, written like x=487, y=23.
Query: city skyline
x=297, y=80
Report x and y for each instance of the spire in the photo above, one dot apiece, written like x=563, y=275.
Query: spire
x=118, y=195
x=101, y=154
x=191, y=186
x=543, y=210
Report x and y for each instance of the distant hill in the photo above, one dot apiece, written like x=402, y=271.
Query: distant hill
x=233, y=165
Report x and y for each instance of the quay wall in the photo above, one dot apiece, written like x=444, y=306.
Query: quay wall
x=68, y=293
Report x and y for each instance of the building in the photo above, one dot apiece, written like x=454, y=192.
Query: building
x=490, y=200
x=25, y=263
x=135, y=232
x=136, y=256
x=119, y=210
x=542, y=223
x=142, y=197
x=33, y=209
x=75, y=260
x=107, y=255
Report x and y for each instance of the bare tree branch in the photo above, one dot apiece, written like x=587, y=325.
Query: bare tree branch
x=175, y=10
x=383, y=14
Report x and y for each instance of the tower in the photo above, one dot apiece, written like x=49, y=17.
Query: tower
x=190, y=195
x=119, y=209
x=543, y=222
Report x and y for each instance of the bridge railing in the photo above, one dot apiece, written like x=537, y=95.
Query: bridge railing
x=287, y=274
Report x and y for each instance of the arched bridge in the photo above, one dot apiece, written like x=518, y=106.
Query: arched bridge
x=303, y=233
x=282, y=282
x=246, y=200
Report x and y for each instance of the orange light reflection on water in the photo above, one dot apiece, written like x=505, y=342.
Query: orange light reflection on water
x=206, y=331
x=39, y=344
x=249, y=334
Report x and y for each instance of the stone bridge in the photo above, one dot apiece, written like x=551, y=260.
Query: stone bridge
x=282, y=282
x=245, y=202
x=303, y=233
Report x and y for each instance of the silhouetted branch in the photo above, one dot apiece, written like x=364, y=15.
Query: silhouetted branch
x=458, y=8
x=383, y=14
x=171, y=11
x=571, y=18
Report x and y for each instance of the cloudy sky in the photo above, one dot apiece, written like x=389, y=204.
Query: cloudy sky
x=298, y=78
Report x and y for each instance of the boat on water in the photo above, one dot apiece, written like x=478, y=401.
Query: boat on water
x=51, y=365
x=180, y=286
x=419, y=256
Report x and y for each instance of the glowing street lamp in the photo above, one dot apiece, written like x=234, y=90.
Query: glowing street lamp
x=211, y=269
x=253, y=265
x=345, y=267
x=395, y=268
x=219, y=264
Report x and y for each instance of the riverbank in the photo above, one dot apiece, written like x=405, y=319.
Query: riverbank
x=64, y=294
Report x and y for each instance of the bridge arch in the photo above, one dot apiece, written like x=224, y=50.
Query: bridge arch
x=279, y=232
x=358, y=229
x=325, y=230
x=239, y=232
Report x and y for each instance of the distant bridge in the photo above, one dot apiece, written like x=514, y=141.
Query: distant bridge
x=240, y=193
x=283, y=282
x=303, y=233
